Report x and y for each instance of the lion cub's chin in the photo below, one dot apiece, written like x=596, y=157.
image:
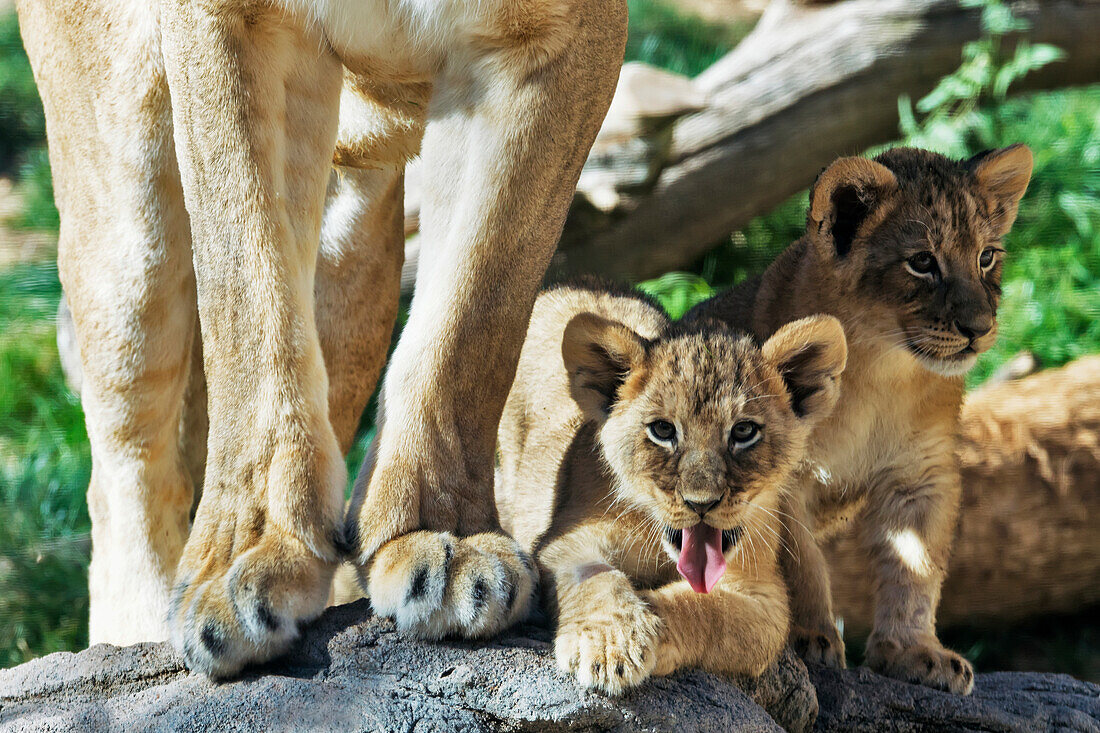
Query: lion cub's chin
x=951, y=366
x=701, y=552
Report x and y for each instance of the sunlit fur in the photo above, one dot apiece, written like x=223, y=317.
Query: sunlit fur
x=584, y=487
x=885, y=457
x=240, y=164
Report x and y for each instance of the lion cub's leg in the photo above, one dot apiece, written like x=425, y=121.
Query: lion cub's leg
x=814, y=634
x=613, y=637
x=124, y=257
x=908, y=533
x=514, y=113
x=607, y=634
x=738, y=628
x=254, y=102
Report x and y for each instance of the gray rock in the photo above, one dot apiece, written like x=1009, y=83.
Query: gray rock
x=860, y=701
x=352, y=672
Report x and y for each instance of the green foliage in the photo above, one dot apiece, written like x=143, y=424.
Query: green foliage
x=44, y=470
x=1051, y=303
x=22, y=122
x=1065, y=643
x=661, y=35
x=959, y=107
x=36, y=187
x=677, y=292
x=749, y=251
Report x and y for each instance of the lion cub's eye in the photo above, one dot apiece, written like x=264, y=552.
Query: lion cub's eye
x=744, y=434
x=987, y=257
x=661, y=432
x=922, y=264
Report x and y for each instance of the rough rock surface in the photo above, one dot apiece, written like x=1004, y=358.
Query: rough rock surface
x=352, y=672
x=861, y=701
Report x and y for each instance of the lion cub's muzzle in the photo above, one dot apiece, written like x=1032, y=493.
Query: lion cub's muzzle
x=701, y=552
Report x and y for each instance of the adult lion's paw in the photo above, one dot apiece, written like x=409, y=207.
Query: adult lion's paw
x=610, y=645
x=923, y=662
x=435, y=585
x=819, y=647
x=228, y=612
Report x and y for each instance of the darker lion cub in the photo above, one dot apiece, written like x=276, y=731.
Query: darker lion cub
x=643, y=464
x=906, y=251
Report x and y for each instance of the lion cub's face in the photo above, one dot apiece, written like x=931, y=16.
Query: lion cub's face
x=702, y=428
x=916, y=238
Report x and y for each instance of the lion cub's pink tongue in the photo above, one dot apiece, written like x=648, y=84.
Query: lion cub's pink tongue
x=701, y=560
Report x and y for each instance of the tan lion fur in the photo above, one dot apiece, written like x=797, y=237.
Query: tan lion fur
x=884, y=459
x=598, y=502
x=193, y=144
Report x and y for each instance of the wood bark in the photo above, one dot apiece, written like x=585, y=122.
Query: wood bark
x=1027, y=542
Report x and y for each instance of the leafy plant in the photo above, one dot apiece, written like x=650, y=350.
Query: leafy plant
x=661, y=35
x=22, y=121
x=44, y=470
x=677, y=292
x=36, y=187
x=957, y=109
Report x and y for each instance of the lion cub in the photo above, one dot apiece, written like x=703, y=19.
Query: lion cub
x=906, y=251
x=642, y=463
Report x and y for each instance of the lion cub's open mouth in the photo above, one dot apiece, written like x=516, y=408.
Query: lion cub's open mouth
x=700, y=553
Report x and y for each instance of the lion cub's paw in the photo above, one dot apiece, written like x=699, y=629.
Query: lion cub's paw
x=435, y=585
x=229, y=612
x=611, y=647
x=924, y=662
x=819, y=647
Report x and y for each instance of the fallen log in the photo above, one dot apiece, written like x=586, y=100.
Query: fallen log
x=808, y=84
x=1027, y=542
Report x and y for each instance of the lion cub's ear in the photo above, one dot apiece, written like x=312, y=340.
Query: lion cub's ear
x=810, y=354
x=842, y=198
x=1004, y=173
x=598, y=354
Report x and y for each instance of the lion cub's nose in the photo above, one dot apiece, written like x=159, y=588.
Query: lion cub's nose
x=701, y=507
x=976, y=327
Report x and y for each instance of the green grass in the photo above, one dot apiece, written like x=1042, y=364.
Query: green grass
x=1051, y=300
x=44, y=470
x=44, y=455
x=661, y=35
x=36, y=188
x=22, y=122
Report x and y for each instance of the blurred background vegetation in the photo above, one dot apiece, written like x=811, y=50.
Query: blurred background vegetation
x=1051, y=308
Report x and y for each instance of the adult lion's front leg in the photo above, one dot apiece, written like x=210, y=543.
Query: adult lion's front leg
x=515, y=109
x=255, y=102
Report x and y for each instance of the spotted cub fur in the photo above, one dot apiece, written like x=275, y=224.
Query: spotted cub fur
x=642, y=463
